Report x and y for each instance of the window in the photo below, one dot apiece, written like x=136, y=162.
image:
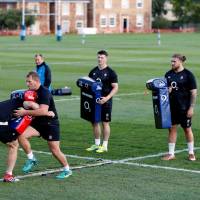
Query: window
x=79, y=24
x=108, y=4
x=65, y=26
x=79, y=9
x=139, y=4
x=65, y=8
x=125, y=4
x=103, y=21
x=112, y=21
x=139, y=20
x=34, y=8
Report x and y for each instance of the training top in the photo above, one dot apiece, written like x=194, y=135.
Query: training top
x=44, y=73
x=107, y=76
x=45, y=97
x=181, y=83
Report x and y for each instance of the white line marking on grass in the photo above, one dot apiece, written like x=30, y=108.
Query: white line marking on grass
x=155, y=155
x=51, y=171
x=70, y=156
x=159, y=167
x=104, y=162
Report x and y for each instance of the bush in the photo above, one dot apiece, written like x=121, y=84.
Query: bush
x=160, y=22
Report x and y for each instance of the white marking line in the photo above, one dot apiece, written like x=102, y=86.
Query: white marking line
x=155, y=155
x=51, y=171
x=104, y=162
x=160, y=167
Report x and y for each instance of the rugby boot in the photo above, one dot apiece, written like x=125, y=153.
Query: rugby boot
x=93, y=147
x=64, y=174
x=101, y=149
x=9, y=178
x=168, y=157
x=191, y=157
x=30, y=163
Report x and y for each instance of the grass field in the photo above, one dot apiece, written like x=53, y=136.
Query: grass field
x=132, y=168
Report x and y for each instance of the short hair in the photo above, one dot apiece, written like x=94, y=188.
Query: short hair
x=180, y=57
x=39, y=54
x=33, y=75
x=102, y=52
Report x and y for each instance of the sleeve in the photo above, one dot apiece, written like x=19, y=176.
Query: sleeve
x=47, y=81
x=113, y=77
x=192, y=81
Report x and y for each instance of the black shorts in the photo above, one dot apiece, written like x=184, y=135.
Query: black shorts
x=7, y=134
x=180, y=117
x=50, y=131
x=106, y=111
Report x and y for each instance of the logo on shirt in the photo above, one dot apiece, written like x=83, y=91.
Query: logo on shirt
x=174, y=85
x=98, y=79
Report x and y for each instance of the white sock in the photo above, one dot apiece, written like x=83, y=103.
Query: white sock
x=105, y=144
x=171, y=147
x=190, y=147
x=97, y=141
x=66, y=168
x=30, y=155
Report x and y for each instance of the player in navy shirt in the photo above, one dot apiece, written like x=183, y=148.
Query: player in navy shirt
x=108, y=77
x=43, y=125
x=182, y=93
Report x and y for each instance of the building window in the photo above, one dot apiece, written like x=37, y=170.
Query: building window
x=65, y=8
x=65, y=26
x=139, y=20
x=103, y=21
x=108, y=4
x=125, y=4
x=112, y=21
x=79, y=24
x=139, y=4
x=34, y=8
x=79, y=9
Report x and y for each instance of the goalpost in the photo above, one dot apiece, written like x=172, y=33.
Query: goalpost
x=57, y=15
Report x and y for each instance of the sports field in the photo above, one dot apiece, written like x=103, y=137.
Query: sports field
x=132, y=168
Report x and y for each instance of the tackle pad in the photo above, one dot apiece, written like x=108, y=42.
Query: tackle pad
x=161, y=104
x=90, y=92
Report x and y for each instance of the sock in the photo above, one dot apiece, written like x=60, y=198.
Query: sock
x=30, y=155
x=9, y=172
x=66, y=168
x=171, y=147
x=190, y=147
x=97, y=141
x=105, y=144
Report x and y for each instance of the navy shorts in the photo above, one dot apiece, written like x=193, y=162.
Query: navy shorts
x=106, y=111
x=180, y=117
x=49, y=131
x=7, y=134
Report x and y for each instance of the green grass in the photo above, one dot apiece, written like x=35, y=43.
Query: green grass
x=136, y=58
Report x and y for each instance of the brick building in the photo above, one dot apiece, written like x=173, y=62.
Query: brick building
x=107, y=16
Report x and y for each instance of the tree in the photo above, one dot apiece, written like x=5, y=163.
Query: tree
x=158, y=8
x=11, y=19
x=187, y=11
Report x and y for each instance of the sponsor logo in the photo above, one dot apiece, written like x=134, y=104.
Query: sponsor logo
x=87, y=95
